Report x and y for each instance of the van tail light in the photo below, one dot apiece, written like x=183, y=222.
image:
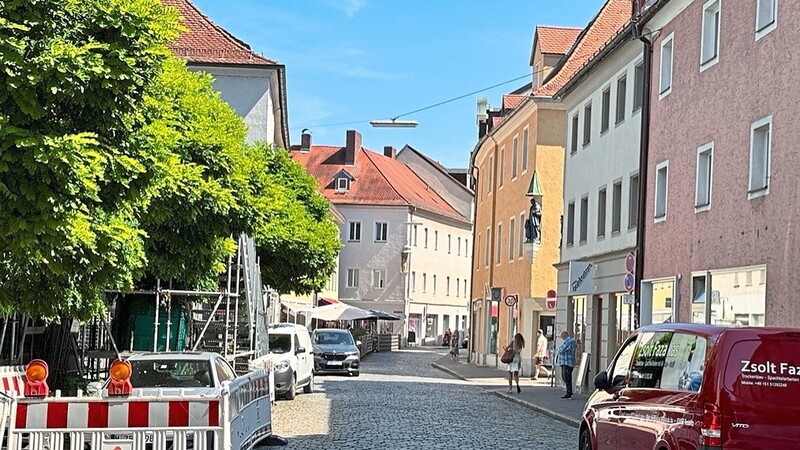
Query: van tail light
x=711, y=427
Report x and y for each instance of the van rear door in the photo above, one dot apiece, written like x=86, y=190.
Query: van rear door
x=762, y=382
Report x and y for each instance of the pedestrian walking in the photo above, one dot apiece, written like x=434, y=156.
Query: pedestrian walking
x=454, y=344
x=515, y=347
x=565, y=358
x=539, y=357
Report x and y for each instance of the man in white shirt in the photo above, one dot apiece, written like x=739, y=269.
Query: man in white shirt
x=541, y=353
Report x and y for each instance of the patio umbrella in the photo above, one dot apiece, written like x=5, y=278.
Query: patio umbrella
x=383, y=315
x=339, y=311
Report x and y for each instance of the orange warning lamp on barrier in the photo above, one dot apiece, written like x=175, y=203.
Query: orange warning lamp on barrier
x=120, y=373
x=36, y=379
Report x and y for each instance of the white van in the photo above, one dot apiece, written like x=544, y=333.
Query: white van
x=290, y=345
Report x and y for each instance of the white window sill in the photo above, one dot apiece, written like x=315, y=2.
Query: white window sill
x=702, y=208
x=660, y=219
x=665, y=93
x=766, y=30
x=759, y=193
x=709, y=64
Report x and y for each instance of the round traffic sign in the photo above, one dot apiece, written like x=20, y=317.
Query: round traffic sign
x=630, y=262
x=551, y=303
x=511, y=300
x=629, y=282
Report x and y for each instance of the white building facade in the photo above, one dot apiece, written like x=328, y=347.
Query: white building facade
x=601, y=186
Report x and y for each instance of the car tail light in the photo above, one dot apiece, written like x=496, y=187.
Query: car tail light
x=711, y=427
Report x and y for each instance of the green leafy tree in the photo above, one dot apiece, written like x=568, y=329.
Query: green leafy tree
x=71, y=179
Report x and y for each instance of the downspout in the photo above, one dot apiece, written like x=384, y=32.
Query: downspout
x=475, y=171
x=644, y=148
x=492, y=243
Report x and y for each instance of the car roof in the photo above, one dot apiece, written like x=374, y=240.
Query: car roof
x=333, y=330
x=713, y=331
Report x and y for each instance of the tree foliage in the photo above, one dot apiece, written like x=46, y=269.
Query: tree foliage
x=74, y=75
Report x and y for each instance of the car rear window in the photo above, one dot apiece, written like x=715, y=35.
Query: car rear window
x=764, y=371
x=171, y=374
x=669, y=360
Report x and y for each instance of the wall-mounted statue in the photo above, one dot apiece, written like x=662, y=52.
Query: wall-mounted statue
x=533, y=224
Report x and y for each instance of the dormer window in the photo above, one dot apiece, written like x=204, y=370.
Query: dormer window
x=343, y=184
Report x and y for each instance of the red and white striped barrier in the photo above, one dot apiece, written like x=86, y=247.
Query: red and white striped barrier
x=12, y=379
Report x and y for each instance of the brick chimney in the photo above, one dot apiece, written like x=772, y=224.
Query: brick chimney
x=352, y=148
x=305, y=142
x=390, y=152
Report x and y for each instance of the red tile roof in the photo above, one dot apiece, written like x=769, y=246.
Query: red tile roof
x=379, y=180
x=555, y=40
x=205, y=42
x=511, y=101
x=612, y=18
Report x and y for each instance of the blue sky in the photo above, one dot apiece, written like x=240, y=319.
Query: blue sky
x=360, y=60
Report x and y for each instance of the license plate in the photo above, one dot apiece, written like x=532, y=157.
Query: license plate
x=148, y=438
x=118, y=445
x=334, y=363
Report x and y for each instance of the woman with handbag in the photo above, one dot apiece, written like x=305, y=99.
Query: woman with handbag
x=513, y=357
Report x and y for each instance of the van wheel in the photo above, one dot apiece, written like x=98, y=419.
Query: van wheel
x=292, y=392
x=309, y=388
x=585, y=442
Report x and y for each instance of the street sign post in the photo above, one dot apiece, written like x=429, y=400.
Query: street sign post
x=630, y=266
x=551, y=300
x=511, y=299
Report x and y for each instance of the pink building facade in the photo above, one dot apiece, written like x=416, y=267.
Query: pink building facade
x=722, y=243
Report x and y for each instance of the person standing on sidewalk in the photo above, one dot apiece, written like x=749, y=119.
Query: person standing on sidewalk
x=565, y=358
x=541, y=354
x=516, y=347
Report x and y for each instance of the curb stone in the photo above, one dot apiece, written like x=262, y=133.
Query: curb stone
x=532, y=406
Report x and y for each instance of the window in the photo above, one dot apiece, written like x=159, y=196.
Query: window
x=633, y=202
x=449, y=244
x=416, y=234
x=648, y=364
x=638, y=86
x=486, y=250
x=352, y=278
x=466, y=248
x=760, y=155
x=465, y=288
x=424, y=282
x=574, y=143
x=619, y=371
x=665, y=74
x=502, y=168
x=709, y=42
x=606, y=112
x=616, y=207
x=413, y=281
x=622, y=92
x=570, y=223
x=584, y=219
x=434, y=285
x=587, y=124
x=499, y=242
x=436, y=240
x=447, y=290
x=661, y=190
x=525, y=149
x=355, y=232
x=520, y=246
x=514, y=154
x=342, y=184
x=425, y=237
x=381, y=229
x=511, y=235
x=458, y=287
x=491, y=174
x=458, y=247
x=765, y=17
x=702, y=195
x=601, y=213
x=378, y=279
x=669, y=361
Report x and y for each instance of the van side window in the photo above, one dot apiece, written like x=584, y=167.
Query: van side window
x=651, y=355
x=619, y=373
x=686, y=360
x=297, y=343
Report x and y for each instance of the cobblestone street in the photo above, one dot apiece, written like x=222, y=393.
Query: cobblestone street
x=401, y=402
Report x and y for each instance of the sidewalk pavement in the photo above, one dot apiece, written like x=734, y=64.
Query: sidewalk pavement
x=537, y=395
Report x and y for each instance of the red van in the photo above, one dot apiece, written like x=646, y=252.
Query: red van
x=686, y=386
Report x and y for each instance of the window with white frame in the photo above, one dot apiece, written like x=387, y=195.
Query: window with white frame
x=702, y=196
x=416, y=234
x=491, y=175
x=434, y=284
x=378, y=278
x=502, y=168
x=499, y=243
x=605, y=114
x=570, y=223
x=665, y=70
x=466, y=248
x=622, y=92
x=436, y=240
x=525, y=149
x=487, y=249
x=465, y=288
x=766, y=16
x=514, y=155
x=633, y=202
x=342, y=184
x=601, y=212
x=616, y=207
x=638, y=86
x=413, y=281
x=458, y=287
x=662, y=173
x=709, y=41
x=449, y=244
x=584, y=219
x=511, y=235
x=424, y=282
x=458, y=247
x=352, y=278
x=355, y=232
x=381, y=231
x=760, y=154
x=587, y=124
x=447, y=291
x=573, y=146
x=425, y=237
x=520, y=246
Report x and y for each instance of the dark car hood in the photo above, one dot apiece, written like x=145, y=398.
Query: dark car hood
x=334, y=348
